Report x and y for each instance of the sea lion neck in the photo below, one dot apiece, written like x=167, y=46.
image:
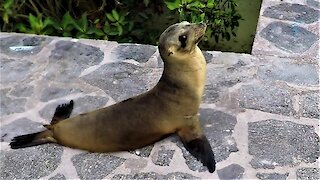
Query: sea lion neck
x=183, y=78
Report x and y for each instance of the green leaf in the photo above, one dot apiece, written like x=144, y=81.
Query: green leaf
x=82, y=35
x=115, y=14
x=202, y=16
x=90, y=30
x=67, y=20
x=95, y=31
x=121, y=20
x=120, y=30
x=173, y=4
x=51, y=22
x=82, y=24
x=113, y=31
x=210, y=4
x=66, y=34
x=196, y=5
x=5, y=18
x=99, y=32
x=96, y=21
x=21, y=27
x=7, y=4
x=35, y=23
x=106, y=27
x=110, y=17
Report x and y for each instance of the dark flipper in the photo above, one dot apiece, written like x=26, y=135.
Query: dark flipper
x=62, y=112
x=201, y=149
x=31, y=139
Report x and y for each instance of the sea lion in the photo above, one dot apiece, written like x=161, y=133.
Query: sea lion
x=172, y=106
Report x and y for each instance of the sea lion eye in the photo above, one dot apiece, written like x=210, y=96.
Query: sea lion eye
x=183, y=40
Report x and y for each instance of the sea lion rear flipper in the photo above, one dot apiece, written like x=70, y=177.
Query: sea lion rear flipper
x=62, y=112
x=201, y=149
x=33, y=139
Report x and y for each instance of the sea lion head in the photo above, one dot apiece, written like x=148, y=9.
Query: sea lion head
x=180, y=40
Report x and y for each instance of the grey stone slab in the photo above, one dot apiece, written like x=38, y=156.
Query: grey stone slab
x=308, y=173
x=281, y=143
x=153, y=175
x=208, y=56
x=233, y=171
x=22, y=90
x=219, y=79
x=20, y=46
x=10, y=105
x=300, y=74
x=69, y=59
x=310, y=105
x=143, y=152
x=81, y=105
x=268, y=97
x=140, y=53
x=290, y=38
x=218, y=128
x=120, y=80
x=313, y=3
x=211, y=94
x=292, y=12
x=55, y=92
x=164, y=157
x=58, y=177
x=88, y=103
x=19, y=127
x=12, y=70
x=272, y=176
x=30, y=163
x=95, y=165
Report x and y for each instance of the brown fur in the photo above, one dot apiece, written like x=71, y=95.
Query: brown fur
x=170, y=107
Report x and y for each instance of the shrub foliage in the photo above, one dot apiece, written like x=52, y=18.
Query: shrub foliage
x=119, y=20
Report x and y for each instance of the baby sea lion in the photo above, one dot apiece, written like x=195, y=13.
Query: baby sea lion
x=172, y=106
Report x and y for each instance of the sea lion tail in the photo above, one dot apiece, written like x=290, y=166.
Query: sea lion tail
x=33, y=139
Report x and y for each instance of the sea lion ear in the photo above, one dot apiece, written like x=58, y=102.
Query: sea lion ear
x=170, y=51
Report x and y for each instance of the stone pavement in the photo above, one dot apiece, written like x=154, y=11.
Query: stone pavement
x=288, y=28
x=260, y=112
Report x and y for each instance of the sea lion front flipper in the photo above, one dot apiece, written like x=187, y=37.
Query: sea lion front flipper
x=62, y=112
x=201, y=149
x=197, y=143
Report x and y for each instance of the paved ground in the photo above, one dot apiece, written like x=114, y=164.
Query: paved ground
x=260, y=112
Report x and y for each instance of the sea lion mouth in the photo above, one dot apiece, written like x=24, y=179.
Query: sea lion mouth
x=200, y=30
x=199, y=39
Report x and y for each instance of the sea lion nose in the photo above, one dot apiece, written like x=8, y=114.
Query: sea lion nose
x=202, y=24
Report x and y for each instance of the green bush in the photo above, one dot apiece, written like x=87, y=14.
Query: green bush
x=122, y=21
